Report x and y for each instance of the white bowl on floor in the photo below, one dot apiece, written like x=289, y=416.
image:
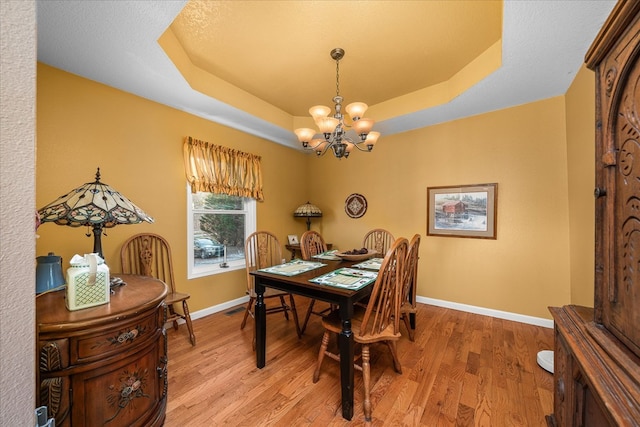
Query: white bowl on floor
x=545, y=360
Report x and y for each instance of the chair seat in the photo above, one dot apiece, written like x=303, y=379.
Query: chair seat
x=174, y=297
x=333, y=323
x=407, y=307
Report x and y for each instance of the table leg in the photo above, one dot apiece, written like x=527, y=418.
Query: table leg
x=345, y=342
x=260, y=326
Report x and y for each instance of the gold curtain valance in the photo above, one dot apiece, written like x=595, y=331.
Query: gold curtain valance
x=222, y=170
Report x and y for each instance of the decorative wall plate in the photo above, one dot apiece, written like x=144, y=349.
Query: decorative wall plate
x=356, y=205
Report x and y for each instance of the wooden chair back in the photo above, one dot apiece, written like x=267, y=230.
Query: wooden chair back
x=411, y=272
x=383, y=308
x=378, y=239
x=312, y=243
x=148, y=254
x=261, y=249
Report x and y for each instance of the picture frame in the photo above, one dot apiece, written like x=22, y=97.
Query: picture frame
x=463, y=211
x=293, y=239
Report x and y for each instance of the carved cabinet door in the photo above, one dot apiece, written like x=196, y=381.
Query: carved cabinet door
x=618, y=180
x=126, y=393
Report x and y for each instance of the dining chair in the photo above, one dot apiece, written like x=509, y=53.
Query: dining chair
x=312, y=243
x=262, y=249
x=378, y=322
x=378, y=239
x=408, y=307
x=149, y=254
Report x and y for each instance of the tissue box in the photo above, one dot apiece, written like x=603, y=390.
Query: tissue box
x=88, y=284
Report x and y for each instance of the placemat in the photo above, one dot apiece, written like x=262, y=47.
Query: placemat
x=329, y=255
x=293, y=268
x=348, y=278
x=370, y=264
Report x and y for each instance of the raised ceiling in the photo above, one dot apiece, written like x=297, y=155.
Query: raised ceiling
x=259, y=65
x=279, y=50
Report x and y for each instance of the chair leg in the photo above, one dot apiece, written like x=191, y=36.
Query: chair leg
x=187, y=319
x=247, y=312
x=284, y=307
x=394, y=354
x=366, y=379
x=172, y=314
x=412, y=322
x=407, y=324
x=323, y=348
x=306, y=317
x=294, y=312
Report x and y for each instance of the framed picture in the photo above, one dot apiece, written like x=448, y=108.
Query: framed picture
x=293, y=239
x=462, y=211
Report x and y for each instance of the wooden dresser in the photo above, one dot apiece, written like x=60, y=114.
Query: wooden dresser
x=597, y=351
x=105, y=365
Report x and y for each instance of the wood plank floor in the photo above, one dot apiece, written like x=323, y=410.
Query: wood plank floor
x=462, y=370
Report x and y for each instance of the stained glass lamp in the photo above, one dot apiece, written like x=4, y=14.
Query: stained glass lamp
x=308, y=211
x=96, y=205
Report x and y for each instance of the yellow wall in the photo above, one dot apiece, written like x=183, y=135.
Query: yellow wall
x=82, y=125
x=580, y=100
x=523, y=149
x=137, y=144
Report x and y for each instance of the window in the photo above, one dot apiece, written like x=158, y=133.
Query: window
x=218, y=225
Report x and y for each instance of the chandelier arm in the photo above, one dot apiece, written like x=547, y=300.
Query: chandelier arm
x=358, y=146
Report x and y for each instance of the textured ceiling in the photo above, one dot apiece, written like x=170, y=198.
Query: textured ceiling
x=279, y=50
x=275, y=54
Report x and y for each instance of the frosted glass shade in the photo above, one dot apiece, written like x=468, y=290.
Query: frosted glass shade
x=363, y=126
x=305, y=134
x=372, y=138
x=318, y=111
x=327, y=124
x=356, y=109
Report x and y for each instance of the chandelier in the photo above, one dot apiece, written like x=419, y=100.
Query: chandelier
x=334, y=128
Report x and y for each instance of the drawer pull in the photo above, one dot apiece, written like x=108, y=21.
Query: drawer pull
x=599, y=192
x=128, y=336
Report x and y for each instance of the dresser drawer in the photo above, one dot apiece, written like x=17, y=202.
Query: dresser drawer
x=117, y=338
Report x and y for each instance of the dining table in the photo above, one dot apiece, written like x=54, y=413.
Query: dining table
x=343, y=298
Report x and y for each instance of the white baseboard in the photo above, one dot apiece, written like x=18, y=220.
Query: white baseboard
x=215, y=309
x=522, y=318
x=218, y=308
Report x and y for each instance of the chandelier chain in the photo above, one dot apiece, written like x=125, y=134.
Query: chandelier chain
x=337, y=77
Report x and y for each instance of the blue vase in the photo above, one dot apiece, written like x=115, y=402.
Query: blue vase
x=48, y=273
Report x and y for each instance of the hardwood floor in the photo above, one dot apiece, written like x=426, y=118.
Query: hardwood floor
x=462, y=370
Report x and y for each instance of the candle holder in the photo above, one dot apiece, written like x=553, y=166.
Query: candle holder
x=224, y=264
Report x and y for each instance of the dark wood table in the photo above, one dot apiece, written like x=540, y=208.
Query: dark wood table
x=343, y=298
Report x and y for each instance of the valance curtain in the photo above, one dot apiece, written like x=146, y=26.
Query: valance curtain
x=216, y=169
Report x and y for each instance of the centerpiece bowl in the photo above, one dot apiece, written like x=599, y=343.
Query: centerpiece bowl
x=356, y=257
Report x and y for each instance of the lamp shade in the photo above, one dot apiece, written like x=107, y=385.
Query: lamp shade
x=308, y=211
x=95, y=205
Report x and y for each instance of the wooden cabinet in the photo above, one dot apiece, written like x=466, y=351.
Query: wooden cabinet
x=105, y=365
x=597, y=351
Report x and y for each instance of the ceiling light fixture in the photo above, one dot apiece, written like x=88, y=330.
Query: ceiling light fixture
x=334, y=129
